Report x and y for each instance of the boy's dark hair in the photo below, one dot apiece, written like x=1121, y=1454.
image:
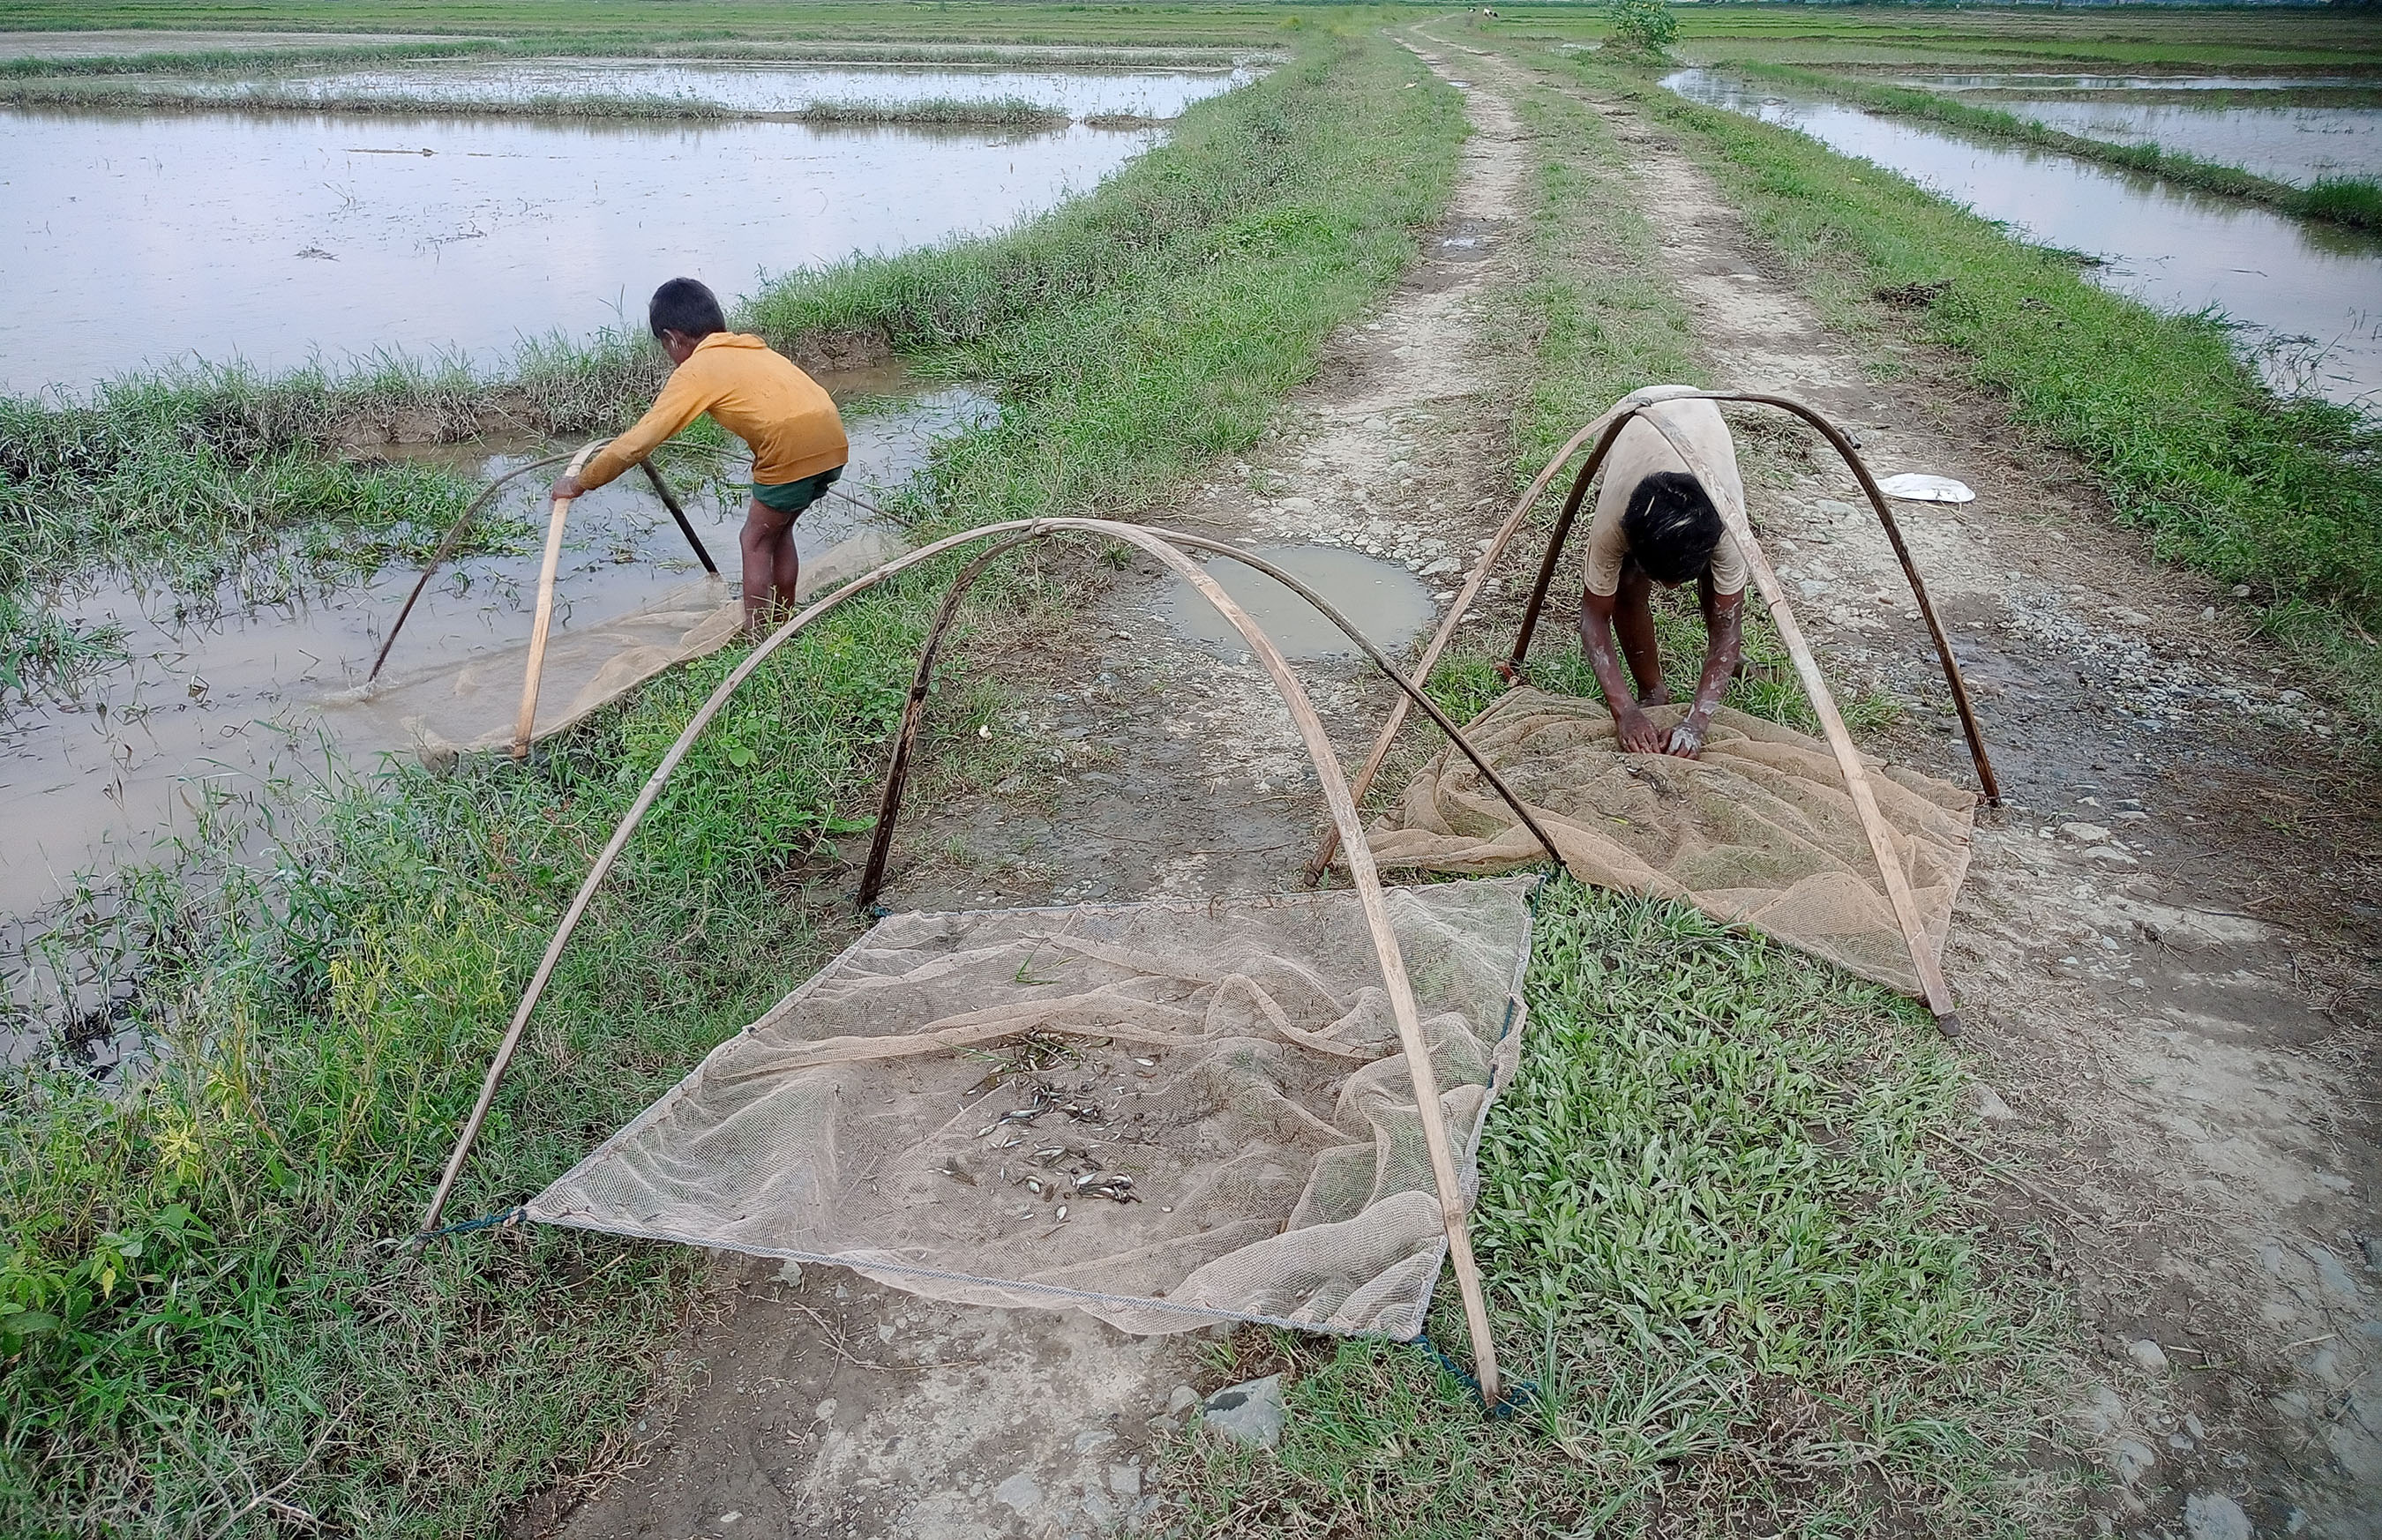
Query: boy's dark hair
x=686, y=305
x=1672, y=526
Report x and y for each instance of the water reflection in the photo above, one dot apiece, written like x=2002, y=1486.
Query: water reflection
x=133, y=240
x=2307, y=297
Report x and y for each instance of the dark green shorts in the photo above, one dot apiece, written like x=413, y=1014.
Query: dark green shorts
x=794, y=496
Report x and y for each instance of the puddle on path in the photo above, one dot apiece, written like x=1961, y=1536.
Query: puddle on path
x=132, y=240
x=1383, y=600
x=737, y=85
x=2306, y=297
x=220, y=707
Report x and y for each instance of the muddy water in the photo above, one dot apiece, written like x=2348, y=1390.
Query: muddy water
x=127, y=240
x=2307, y=297
x=1385, y=601
x=747, y=86
x=2017, y=80
x=219, y=708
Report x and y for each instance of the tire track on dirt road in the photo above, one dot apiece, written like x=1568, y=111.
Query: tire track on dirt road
x=2166, y=946
x=1162, y=766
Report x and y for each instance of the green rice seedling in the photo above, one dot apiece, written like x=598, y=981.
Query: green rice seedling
x=43, y=654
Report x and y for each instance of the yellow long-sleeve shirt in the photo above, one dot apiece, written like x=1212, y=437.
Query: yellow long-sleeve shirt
x=759, y=396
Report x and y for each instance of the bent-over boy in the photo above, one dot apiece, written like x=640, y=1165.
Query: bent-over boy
x=1655, y=523
x=790, y=424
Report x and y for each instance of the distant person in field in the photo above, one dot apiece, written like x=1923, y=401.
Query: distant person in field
x=791, y=426
x=1655, y=523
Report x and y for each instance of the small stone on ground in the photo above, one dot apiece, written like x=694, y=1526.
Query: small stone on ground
x=1252, y=1412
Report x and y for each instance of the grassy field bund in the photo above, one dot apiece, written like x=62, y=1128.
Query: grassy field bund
x=1729, y=1228
x=199, y=1332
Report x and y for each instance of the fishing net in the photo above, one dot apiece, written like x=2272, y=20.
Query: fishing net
x=472, y=706
x=1759, y=831
x=1165, y=1114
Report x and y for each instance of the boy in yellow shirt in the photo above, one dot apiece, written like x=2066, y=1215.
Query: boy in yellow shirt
x=792, y=425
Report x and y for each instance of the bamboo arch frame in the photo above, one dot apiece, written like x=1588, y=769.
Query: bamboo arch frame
x=897, y=771
x=554, y=534
x=1605, y=430
x=1363, y=874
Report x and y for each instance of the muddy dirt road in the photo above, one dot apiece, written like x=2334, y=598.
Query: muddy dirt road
x=2167, y=947
x=1161, y=765
x=2165, y=951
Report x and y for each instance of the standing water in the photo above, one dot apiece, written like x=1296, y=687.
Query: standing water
x=137, y=240
x=2274, y=127
x=2307, y=297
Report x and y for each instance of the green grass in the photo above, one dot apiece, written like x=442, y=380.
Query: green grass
x=2341, y=200
x=1719, y=1233
x=192, y=1310
x=44, y=654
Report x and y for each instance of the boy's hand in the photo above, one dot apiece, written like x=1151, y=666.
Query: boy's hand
x=1638, y=733
x=566, y=487
x=1687, y=740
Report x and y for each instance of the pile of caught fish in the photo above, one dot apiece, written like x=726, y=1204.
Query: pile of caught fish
x=1061, y=1172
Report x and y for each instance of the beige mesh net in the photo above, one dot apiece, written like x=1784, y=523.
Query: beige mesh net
x=471, y=706
x=1759, y=831
x=1164, y=1114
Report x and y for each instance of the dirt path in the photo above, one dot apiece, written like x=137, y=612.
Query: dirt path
x=2167, y=946
x=1162, y=765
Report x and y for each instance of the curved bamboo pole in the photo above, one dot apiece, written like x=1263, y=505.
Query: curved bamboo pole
x=1363, y=874
x=525, y=724
x=897, y=771
x=897, y=767
x=479, y=505
x=1608, y=424
x=447, y=549
x=1937, y=993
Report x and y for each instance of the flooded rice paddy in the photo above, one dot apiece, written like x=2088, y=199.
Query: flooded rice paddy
x=219, y=699
x=734, y=86
x=139, y=241
x=1389, y=604
x=2278, y=132
x=2306, y=297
